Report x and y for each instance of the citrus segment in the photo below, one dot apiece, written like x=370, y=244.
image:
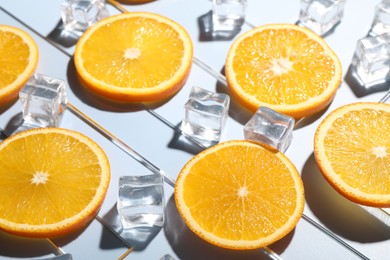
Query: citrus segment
x=240, y=195
x=352, y=150
x=134, y=57
x=285, y=67
x=18, y=61
x=52, y=181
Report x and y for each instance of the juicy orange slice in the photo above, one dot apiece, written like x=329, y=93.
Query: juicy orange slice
x=285, y=67
x=52, y=181
x=240, y=195
x=134, y=57
x=352, y=150
x=18, y=61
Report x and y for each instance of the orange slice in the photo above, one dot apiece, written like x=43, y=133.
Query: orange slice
x=134, y=57
x=18, y=61
x=285, y=67
x=52, y=181
x=240, y=195
x=352, y=150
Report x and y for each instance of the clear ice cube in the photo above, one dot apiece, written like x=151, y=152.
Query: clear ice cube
x=228, y=15
x=79, y=15
x=371, y=60
x=271, y=128
x=141, y=201
x=43, y=100
x=205, y=115
x=381, y=22
x=321, y=16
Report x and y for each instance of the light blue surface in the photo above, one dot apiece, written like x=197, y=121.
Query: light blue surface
x=150, y=133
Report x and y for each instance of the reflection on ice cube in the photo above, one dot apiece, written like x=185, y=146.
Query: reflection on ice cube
x=321, y=15
x=372, y=59
x=43, y=101
x=381, y=22
x=228, y=15
x=205, y=115
x=79, y=15
x=141, y=201
x=270, y=127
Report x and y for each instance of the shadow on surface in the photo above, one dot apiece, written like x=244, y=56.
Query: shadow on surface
x=3, y=136
x=63, y=37
x=337, y=213
x=305, y=121
x=358, y=87
x=14, y=246
x=236, y=111
x=207, y=32
x=181, y=142
x=15, y=122
x=187, y=245
x=139, y=238
x=64, y=240
x=112, y=219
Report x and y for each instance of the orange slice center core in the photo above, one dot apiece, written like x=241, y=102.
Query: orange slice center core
x=242, y=192
x=132, y=53
x=281, y=66
x=39, y=178
x=379, y=151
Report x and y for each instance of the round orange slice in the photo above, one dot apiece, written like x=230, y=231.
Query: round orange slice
x=52, y=182
x=240, y=195
x=18, y=61
x=352, y=150
x=285, y=67
x=134, y=57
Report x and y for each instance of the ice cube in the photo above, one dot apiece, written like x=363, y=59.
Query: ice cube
x=43, y=101
x=381, y=22
x=321, y=16
x=205, y=117
x=79, y=15
x=141, y=201
x=271, y=128
x=228, y=15
x=371, y=60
